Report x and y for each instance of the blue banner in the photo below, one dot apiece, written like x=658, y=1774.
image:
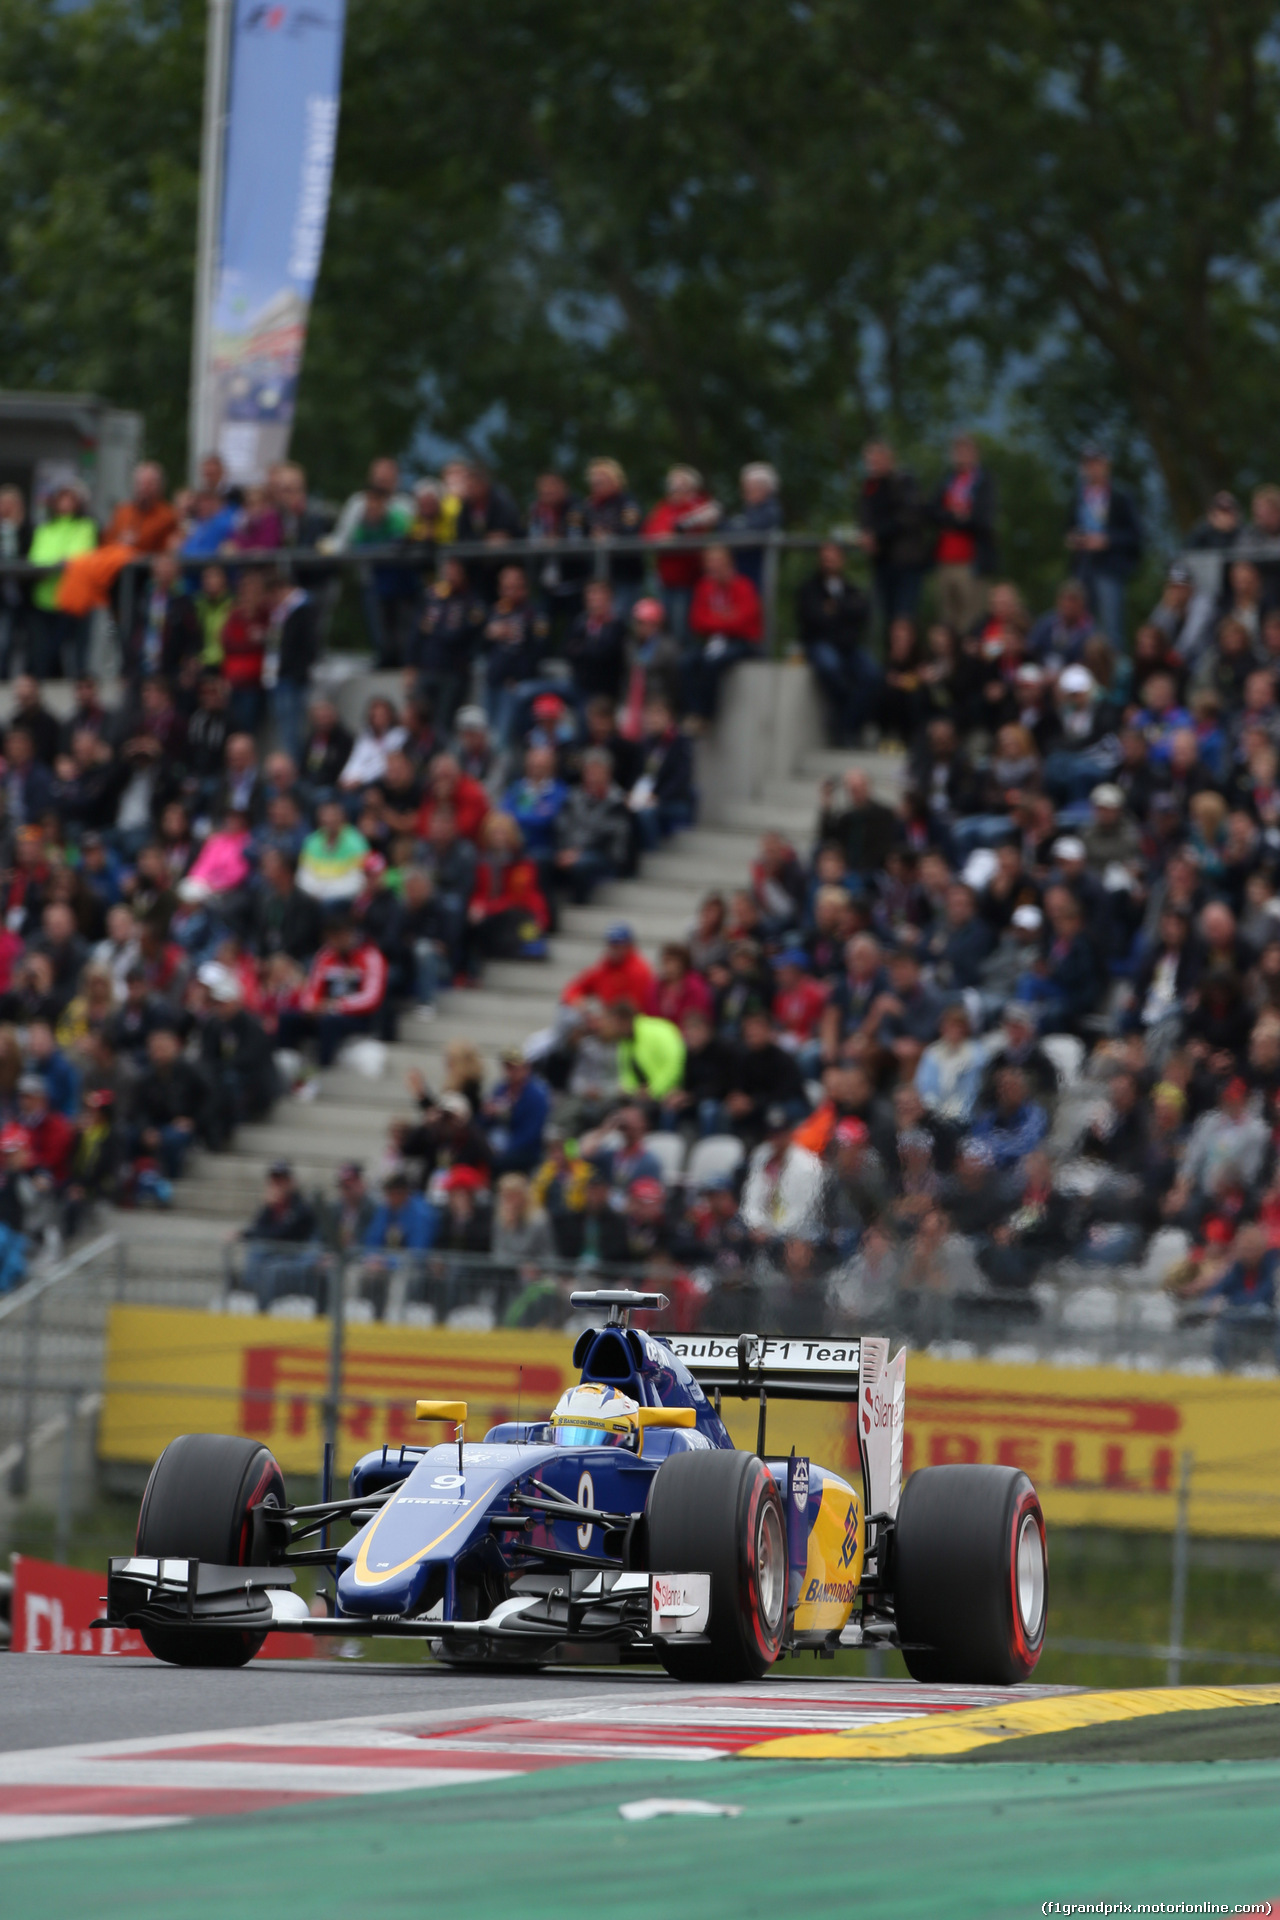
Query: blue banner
x=282, y=126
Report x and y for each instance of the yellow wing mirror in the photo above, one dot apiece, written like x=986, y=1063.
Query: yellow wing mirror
x=455, y=1410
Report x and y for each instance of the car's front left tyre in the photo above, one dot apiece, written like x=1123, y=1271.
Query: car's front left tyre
x=198, y=1505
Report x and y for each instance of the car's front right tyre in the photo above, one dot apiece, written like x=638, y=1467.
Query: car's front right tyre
x=720, y=1513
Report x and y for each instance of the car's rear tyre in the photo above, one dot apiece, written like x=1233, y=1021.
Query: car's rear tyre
x=197, y=1506
x=971, y=1575
x=721, y=1513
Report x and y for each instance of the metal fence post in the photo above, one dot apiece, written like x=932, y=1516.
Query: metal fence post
x=770, y=577
x=1181, y=1563
x=333, y=1400
x=20, y=1471
x=62, y=1534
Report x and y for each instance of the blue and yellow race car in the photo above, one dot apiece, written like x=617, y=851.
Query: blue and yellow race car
x=626, y=1521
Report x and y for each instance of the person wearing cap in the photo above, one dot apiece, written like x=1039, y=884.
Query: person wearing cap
x=345, y=989
x=345, y=1216
x=594, y=1234
x=1016, y=952
x=596, y=645
x=466, y=1222
x=402, y=1220
x=236, y=1054
x=282, y=1242
x=1183, y=617
x=725, y=625
x=1112, y=837
x=621, y=973
x=782, y=1196
x=473, y=747
x=1105, y=540
x=515, y=1114
x=799, y=1002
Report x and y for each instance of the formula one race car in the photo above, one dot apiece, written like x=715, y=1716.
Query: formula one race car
x=628, y=1521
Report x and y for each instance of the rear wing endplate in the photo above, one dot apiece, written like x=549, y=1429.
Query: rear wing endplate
x=832, y=1370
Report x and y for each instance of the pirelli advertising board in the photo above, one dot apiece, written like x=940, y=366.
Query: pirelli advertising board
x=1103, y=1447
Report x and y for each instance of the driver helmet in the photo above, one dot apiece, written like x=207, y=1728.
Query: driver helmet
x=580, y=1412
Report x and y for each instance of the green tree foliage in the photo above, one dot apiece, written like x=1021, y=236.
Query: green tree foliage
x=701, y=229
x=99, y=157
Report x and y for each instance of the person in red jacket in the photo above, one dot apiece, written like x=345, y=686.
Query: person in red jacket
x=619, y=974
x=687, y=508
x=345, y=993
x=244, y=648
x=448, y=786
x=51, y=1137
x=508, y=916
x=726, y=623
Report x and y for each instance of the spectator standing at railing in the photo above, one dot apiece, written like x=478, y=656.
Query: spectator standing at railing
x=66, y=530
x=1105, y=539
x=291, y=643
x=760, y=513
x=963, y=509
x=146, y=521
x=381, y=519
x=449, y=634
x=516, y=636
x=302, y=526
x=686, y=508
x=832, y=614
x=553, y=517
x=166, y=629
x=896, y=532
x=725, y=623
x=596, y=644
x=15, y=594
x=609, y=512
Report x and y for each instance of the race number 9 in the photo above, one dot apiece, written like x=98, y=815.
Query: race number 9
x=586, y=1498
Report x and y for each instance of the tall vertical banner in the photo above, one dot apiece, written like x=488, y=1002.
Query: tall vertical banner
x=281, y=129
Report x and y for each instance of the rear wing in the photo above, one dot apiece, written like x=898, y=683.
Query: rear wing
x=825, y=1370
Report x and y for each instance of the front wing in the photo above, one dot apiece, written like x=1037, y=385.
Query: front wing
x=545, y=1609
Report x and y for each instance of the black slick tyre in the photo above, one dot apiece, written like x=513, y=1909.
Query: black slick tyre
x=971, y=1575
x=197, y=1506
x=721, y=1513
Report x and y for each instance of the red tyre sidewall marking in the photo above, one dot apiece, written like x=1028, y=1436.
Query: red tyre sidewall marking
x=269, y=1472
x=1025, y=1651
x=767, y=1649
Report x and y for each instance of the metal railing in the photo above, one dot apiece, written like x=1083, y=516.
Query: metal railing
x=422, y=557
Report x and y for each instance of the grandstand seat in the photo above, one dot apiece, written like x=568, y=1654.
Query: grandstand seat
x=670, y=1150
x=718, y=1153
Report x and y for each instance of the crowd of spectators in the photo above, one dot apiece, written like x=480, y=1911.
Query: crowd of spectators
x=854, y=1087
x=1023, y=1020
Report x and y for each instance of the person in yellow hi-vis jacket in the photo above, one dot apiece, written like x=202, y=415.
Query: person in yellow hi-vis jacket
x=65, y=531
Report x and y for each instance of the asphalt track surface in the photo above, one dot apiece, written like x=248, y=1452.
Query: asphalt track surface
x=48, y=1700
